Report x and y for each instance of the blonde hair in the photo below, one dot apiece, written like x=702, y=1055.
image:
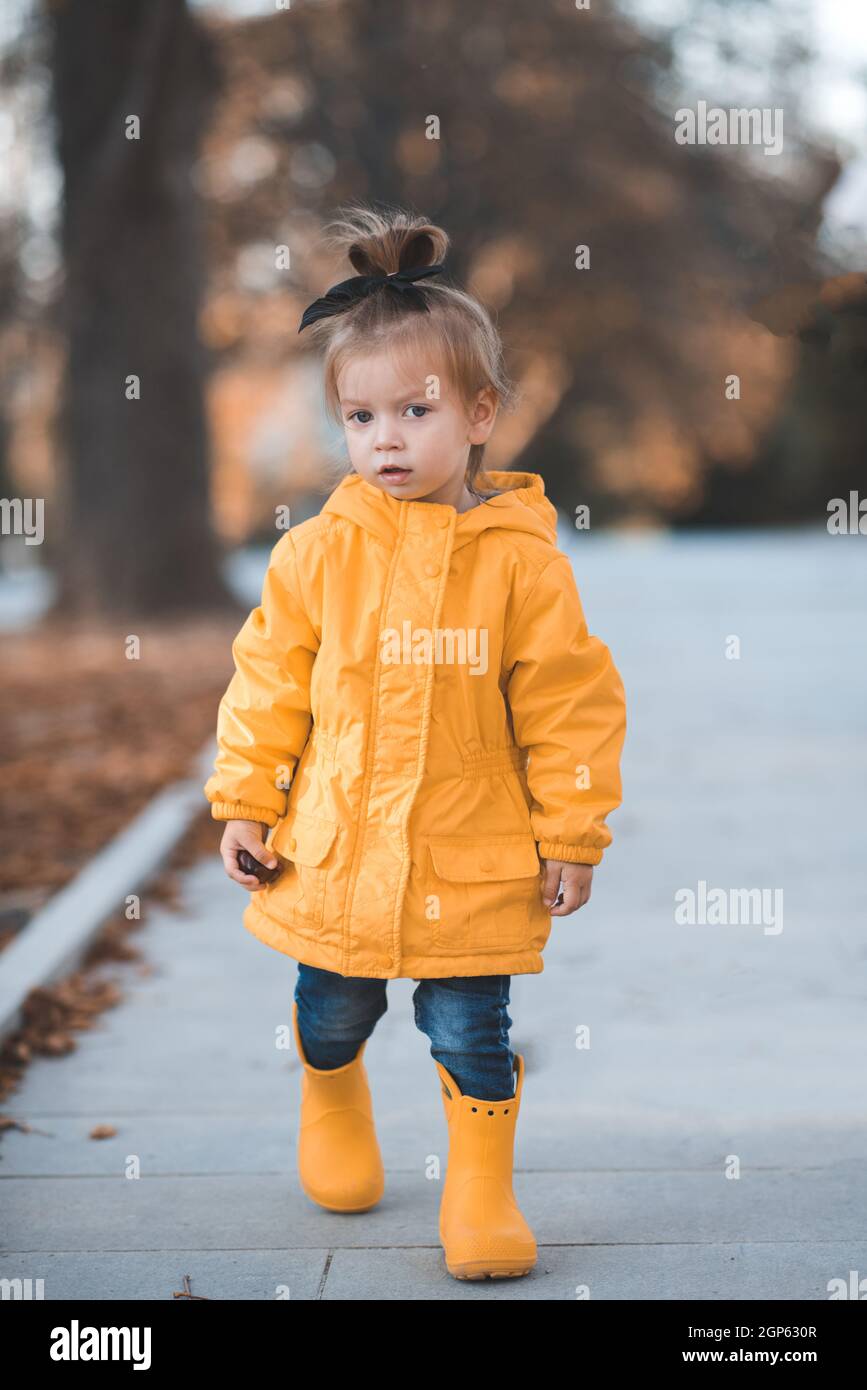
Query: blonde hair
x=457, y=327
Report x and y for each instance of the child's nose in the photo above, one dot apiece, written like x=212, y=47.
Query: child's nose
x=387, y=434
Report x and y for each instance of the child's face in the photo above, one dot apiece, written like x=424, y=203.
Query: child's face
x=390, y=420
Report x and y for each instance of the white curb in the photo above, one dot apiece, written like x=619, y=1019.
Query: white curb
x=55, y=940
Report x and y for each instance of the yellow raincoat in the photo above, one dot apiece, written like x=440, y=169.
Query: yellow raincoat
x=416, y=705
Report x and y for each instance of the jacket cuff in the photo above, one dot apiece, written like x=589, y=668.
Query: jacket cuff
x=570, y=854
x=240, y=810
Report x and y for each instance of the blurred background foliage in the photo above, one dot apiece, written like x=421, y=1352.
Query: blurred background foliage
x=156, y=257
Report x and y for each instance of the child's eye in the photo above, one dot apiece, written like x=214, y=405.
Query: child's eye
x=356, y=414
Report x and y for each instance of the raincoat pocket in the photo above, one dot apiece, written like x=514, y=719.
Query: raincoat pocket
x=303, y=843
x=479, y=891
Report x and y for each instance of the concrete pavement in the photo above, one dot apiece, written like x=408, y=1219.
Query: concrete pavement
x=715, y=1050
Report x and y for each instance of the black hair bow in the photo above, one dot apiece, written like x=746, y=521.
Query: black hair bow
x=341, y=296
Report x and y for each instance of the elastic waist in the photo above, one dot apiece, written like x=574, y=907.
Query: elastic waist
x=501, y=760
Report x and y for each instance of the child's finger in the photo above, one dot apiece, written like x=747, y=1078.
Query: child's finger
x=258, y=851
x=246, y=880
x=249, y=864
x=570, y=893
x=550, y=883
x=230, y=864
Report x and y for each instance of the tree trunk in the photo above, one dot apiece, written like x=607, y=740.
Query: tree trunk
x=132, y=534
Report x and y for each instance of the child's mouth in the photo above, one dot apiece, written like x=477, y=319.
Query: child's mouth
x=395, y=475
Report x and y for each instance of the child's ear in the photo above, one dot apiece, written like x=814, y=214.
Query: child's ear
x=485, y=408
x=482, y=416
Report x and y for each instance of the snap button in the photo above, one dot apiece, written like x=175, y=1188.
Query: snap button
x=442, y=519
x=431, y=569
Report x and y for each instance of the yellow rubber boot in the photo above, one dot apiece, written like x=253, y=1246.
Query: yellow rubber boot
x=482, y=1230
x=339, y=1162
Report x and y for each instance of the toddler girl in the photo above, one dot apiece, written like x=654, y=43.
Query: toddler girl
x=421, y=739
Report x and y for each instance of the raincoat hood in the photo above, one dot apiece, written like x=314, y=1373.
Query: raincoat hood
x=521, y=507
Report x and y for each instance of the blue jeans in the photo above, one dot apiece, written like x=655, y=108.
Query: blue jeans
x=465, y=1018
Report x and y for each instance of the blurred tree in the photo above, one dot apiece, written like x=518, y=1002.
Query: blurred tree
x=528, y=132
x=136, y=504
x=7, y=282
x=817, y=444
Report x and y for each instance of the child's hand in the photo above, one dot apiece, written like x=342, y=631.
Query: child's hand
x=248, y=835
x=576, y=885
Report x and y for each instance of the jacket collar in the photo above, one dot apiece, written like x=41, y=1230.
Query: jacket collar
x=522, y=506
